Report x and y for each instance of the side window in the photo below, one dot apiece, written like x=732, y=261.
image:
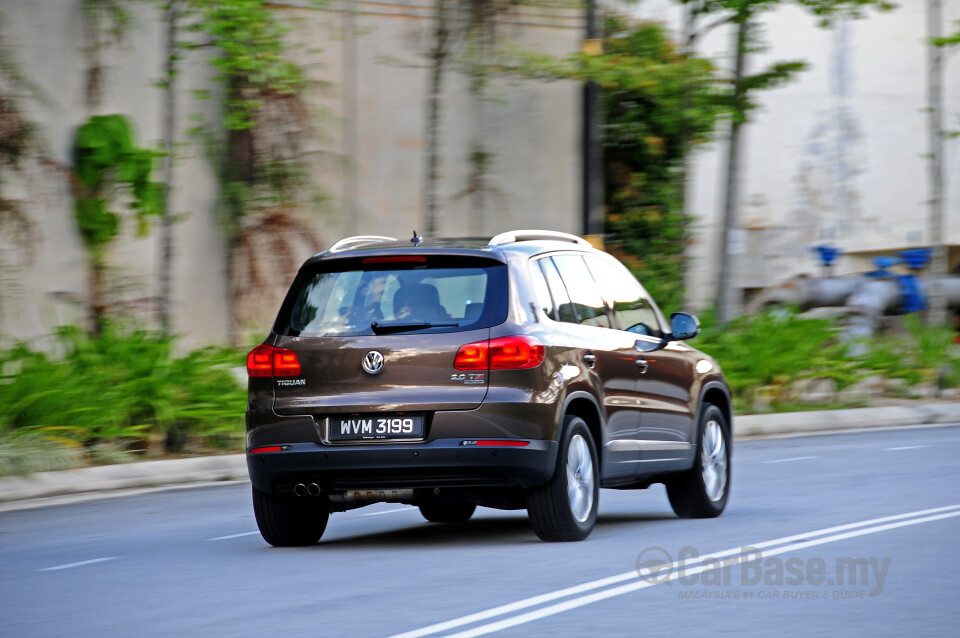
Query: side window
x=541, y=290
x=631, y=306
x=588, y=305
x=559, y=292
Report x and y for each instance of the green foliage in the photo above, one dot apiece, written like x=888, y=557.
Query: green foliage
x=926, y=353
x=763, y=355
x=774, y=348
x=104, y=156
x=26, y=452
x=743, y=12
x=658, y=103
x=117, y=14
x=258, y=161
x=252, y=64
x=949, y=40
x=119, y=390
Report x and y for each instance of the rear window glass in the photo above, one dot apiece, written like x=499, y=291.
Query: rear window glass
x=349, y=297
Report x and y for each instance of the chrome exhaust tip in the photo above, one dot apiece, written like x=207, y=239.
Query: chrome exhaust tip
x=300, y=489
x=313, y=489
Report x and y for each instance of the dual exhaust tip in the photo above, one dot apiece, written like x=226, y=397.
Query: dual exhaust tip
x=301, y=489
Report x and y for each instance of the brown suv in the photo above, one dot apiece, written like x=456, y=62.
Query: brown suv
x=526, y=371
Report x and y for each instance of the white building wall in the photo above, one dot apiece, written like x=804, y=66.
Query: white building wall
x=837, y=156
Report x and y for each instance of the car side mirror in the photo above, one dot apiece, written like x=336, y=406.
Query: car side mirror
x=684, y=326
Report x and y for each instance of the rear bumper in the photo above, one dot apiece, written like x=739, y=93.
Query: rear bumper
x=437, y=463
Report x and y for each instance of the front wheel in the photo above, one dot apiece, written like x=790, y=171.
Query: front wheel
x=565, y=508
x=702, y=491
x=286, y=520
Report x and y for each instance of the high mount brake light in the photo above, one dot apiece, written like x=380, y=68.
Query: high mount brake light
x=402, y=259
x=270, y=361
x=503, y=353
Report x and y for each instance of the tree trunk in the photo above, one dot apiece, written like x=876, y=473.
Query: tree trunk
x=725, y=303
x=480, y=30
x=169, y=147
x=593, y=195
x=936, y=314
x=98, y=305
x=685, y=179
x=438, y=57
x=350, y=109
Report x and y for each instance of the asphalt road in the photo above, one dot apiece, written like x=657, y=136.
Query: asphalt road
x=883, y=506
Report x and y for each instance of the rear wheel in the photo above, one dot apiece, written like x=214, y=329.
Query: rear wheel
x=701, y=492
x=286, y=520
x=565, y=508
x=447, y=512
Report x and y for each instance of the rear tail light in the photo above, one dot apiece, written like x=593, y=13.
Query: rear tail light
x=285, y=363
x=473, y=356
x=513, y=353
x=260, y=361
x=270, y=361
x=503, y=353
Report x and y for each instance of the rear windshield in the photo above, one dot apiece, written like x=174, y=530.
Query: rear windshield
x=348, y=297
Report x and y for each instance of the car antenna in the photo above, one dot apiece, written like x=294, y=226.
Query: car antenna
x=416, y=240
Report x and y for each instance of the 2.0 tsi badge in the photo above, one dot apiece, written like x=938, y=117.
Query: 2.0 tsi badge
x=373, y=362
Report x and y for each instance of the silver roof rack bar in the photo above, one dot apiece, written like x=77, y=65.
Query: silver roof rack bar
x=359, y=240
x=512, y=236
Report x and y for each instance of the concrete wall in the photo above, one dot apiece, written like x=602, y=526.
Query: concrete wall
x=369, y=103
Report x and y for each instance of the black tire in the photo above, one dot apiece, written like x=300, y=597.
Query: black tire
x=447, y=512
x=286, y=520
x=550, y=506
x=689, y=493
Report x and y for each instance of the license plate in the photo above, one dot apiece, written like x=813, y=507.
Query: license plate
x=375, y=428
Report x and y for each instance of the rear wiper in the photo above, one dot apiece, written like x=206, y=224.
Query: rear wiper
x=387, y=328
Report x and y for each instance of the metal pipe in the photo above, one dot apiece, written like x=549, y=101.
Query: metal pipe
x=950, y=289
x=875, y=297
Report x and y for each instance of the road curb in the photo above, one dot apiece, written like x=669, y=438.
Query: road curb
x=797, y=423
x=127, y=475
x=233, y=466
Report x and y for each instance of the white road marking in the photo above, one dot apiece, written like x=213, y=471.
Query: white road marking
x=80, y=564
x=795, y=458
x=402, y=509
x=631, y=587
x=223, y=538
x=905, y=447
x=787, y=543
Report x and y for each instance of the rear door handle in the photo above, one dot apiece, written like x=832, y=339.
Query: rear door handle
x=590, y=359
x=643, y=364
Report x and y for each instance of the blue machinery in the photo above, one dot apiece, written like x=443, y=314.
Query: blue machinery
x=865, y=298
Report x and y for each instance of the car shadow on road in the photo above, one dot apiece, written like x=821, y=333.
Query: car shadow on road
x=488, y=530
x=480, y=531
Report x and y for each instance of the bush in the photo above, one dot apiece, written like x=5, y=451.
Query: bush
x=118, y=392
x=763, y=355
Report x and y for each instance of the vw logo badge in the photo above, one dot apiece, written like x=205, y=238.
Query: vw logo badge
x=373, y=362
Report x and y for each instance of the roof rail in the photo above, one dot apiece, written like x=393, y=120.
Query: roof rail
x=512, y=236
x=359, y=240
